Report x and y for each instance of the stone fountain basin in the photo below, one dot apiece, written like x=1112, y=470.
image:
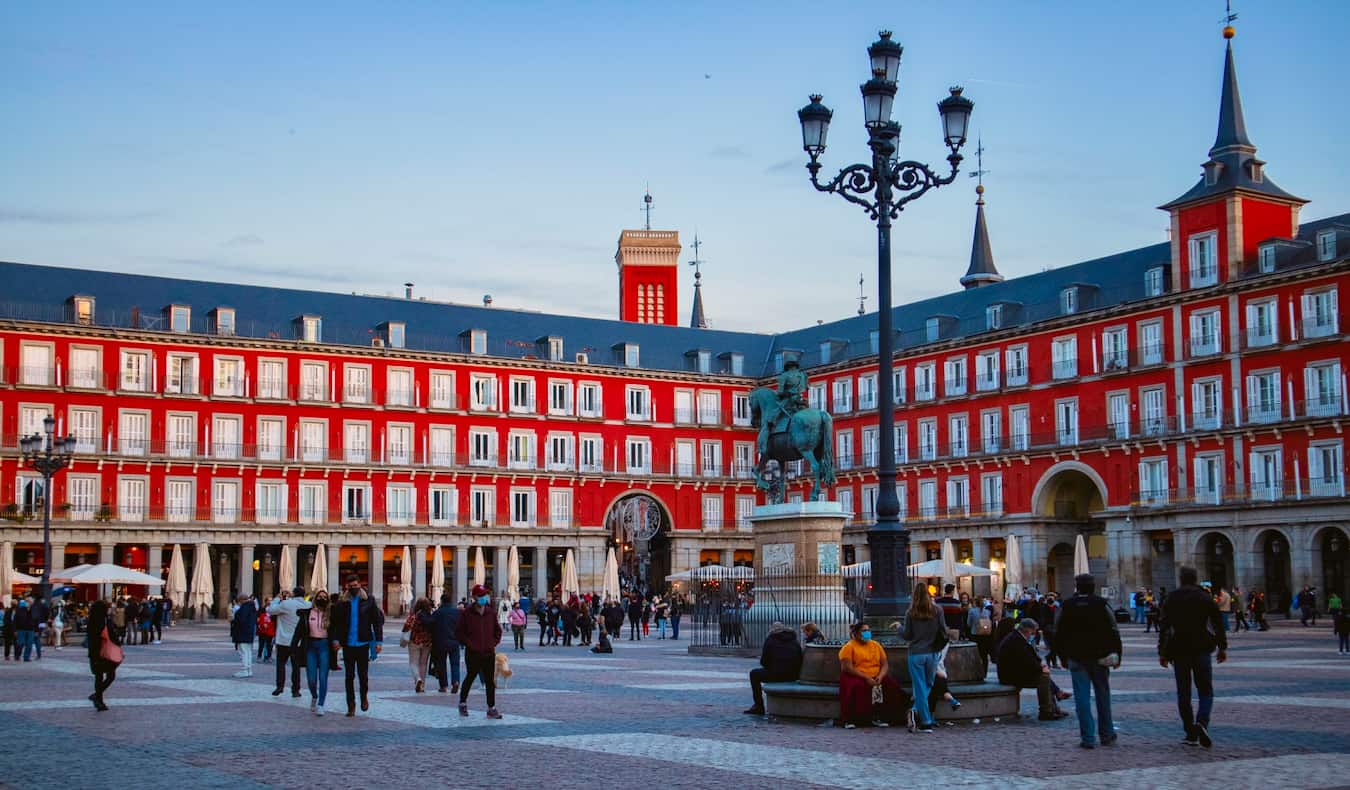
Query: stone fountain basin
x=820, y=663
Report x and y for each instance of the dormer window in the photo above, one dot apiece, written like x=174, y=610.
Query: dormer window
x=477, y=341
x=1204, y=259
x=554, y=347
x=223, y=321
x=993, y=316
x=1153, y=281
x=1326, y=245
x=699, y=360
x=1068, y=301
x=932, y=329
x=627, y=354
x=733, y=362
x=180, y=318
x=82, y=309
x=394, y=333
x=1265, y=258
x=309, y=328
x=1256, y=171
x=825, y=351
x=1213, y=170
x=874, y=341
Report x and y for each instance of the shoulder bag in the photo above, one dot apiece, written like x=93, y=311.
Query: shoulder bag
x=109, y=650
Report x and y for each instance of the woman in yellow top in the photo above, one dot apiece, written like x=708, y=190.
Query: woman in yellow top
x=863, y=669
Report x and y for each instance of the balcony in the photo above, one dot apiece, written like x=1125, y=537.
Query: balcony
x=1065, y=368
x=1017, y=377
x=1150, y=354
x=398, y=397
x=1115, y=361
x=1320, y=326
x=955, y=388
x=356, y=395
x=1264, y=412
x=1326, y=404
x=1206, y=345
x=684, y=416
x=924, y=393
x=37, y=376
x=986, y=382
x=710, y=417
x=1259, y=337
x=841, y=406
x=959, y=449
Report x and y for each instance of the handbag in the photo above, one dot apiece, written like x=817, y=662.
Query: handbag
x=109, y=650
x=403, y=638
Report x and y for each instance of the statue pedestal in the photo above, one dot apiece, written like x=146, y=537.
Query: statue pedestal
x=797, y=569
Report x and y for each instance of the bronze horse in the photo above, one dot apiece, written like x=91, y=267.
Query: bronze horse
x=809, y=435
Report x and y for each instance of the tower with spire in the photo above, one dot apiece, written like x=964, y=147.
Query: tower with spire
x=981, y=271
x=1217, y=224
x=697, y=320
x=648, y=262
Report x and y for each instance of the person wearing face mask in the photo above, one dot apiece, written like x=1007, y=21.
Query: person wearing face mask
x=357, y=627
x=864, y=674
x=310, y=637
x=479, y=632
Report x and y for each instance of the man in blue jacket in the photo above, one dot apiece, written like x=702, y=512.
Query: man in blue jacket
x=442, y=624
x=243, y=627
x=355, y=625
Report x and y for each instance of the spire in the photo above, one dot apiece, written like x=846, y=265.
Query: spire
x=981, y=271
x=696, y=318
x=1232, y=134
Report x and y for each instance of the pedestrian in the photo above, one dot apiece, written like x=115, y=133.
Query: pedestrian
x=1089, y=640
x=1049, y=612
x=676, y=613
x=612, y=616
x=585, y=624
x=541, y=618
x=1151, y=616
x=1239, y=611
x=660, y=610
x=925, y=632
x=444, y=648
x=504, y=613
x=811, y=634
x=567, y=623
x=1225, y=603
x=479, y=632
x=59, y=624
x=980, y=627
x=1340, y=621
x=518, y=621
x=41, y=621
x=356, y=626
x=158, y=620
x=101, y=661
x=419, y=642
x=1333, y=602
x=635, y=619
x=646, y=617
x=11, y=634
x=1189, y=630
x=243, y=628
x=780, y=660
x=119, y=621
x=311, y=637
x=1307, y=607
x=1258, y=607
x=867, y=692
x=25, y=629
x=267, y=631
x=285, y=612
x=1018, y=665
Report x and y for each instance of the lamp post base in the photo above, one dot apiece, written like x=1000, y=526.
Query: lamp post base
x=890, y=598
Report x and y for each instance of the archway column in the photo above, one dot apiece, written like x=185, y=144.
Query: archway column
x=979, y=556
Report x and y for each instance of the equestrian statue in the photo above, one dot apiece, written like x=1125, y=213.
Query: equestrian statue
x=790, y=431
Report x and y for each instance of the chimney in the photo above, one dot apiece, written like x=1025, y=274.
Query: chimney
x=407, y=290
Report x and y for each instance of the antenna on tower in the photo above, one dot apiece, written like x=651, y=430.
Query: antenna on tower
x=979, y=172
x=862, y=296
x=647, y=206
x=698, y=320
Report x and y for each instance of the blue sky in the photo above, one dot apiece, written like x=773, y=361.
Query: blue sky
x=500, y=148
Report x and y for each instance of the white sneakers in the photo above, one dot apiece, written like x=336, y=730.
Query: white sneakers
x=318, y=711
x=243, y=673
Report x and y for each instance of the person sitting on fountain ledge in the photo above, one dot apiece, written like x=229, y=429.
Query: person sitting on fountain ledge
x=864, y=675
x=1018, y=665
x=780, y=662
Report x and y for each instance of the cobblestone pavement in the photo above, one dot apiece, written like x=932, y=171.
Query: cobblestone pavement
x=649, y=714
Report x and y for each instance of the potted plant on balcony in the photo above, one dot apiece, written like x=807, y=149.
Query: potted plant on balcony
x=11, y=512
x=104, y=513
x=64, y=509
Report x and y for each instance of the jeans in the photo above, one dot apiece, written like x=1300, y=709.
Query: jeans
x=661, y=628
x=1139, y=613
x=760, y=676
x=1345, y=643
x=674, y=628
x=25, y=645
x=438, y=660
x=1201, y=670
x=1224, y=616
x=1096, y=679
x=922, y=671
x=291, y=655
x=316, y=669
x=481, y=665
x=518, y=634
x=264, y=647
x=105, y=672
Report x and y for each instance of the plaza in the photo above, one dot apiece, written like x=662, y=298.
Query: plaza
x=650, y=714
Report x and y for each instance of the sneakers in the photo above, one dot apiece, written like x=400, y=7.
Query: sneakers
x=318, y=710
x=1086, y=745
x=243, y=673
x=925, y=728
x=314, y=705
x=850, y=726
x=1190, y=738
x=493, y=714
x=1110, y=739
x=1202, y=735
x=295, y=695
x=420, y=687
x=365, y=703
x=463, y=709
x=880, y=723
x=754, y=710
x=955, y=703
x=454, y=687
x=909, y=719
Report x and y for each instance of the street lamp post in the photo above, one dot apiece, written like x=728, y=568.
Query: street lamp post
x=46, y=453
x=875, y=188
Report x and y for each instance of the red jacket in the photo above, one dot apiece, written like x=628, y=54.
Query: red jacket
x=266, y=625
x=479, y=632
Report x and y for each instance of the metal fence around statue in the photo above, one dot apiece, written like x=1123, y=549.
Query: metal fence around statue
x=734, y=615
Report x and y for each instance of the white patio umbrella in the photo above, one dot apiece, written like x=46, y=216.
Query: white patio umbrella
x=176, y=588
x=609, y=589
x=63, y=575
x=513, y=574
x=948, y=561
x=570, y=585
x=19, y=577
x=1080, y=557
x=108, y=573
x=201, y=594
x=1012, y=574
x=6, y=571
x=318, y=576
x=405, y=579
x=932, y=569
x=286, y=574
x=479, y=572
x=437, y=577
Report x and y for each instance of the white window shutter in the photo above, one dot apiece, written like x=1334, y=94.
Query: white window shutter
x=1143, y=478
x=1314, y=464
x=1253, y=392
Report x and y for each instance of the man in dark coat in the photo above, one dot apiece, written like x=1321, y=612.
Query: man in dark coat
x=1088, y=640
x=612, y=614
x=480, y=632
x=243, y=628
x=635, y=618
x=1190, y=628
x=442, y=624
x=1018, y=665
x=779, y=661
x=356, y=625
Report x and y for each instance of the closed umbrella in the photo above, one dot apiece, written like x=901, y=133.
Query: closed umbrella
x=405, y=580
x=318, y=577
x=570, y=585
x=513, y=574
x=1080, y=557
x=479, y=572
x=948, y=561
x=176, y=588
x=437, y=576
x=201, y=594
x=1012, y=576
x=6, y=570
x=286, y=575
x=610, y=588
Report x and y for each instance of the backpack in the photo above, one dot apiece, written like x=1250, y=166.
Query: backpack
x=984, y=626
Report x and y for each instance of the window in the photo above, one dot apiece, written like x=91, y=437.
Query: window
x=1068, y=301
x=867, y=391
x=815, y=396
x=522, y=396
x=869, y=503
x=711, y=453
x=30, y=496
x=224, y=323
x=1115, y=349
x=703, y=360
x=684, y=407
x=311, y=329
x=1322, y=389
x=932, y=329
x=743, y=461
x=1153, y=481
x=684, y=458
x=928, y=499
x=270, y=502
x=740, y=408
x=560, y=397
x=1204, y=259
x=136, y=371
x=712, y=511
x=958, y=497
x=709, y=408
x=1065, y=355
x=482, y=392
x=399, y=443
x=481, y=507
x=477, y=342
x=1205, y=333
x=398, y=505
x=927, y=439
x=357, y=389
x=745, y=508
x=871, y=447
x=271, y=379
x=986, y=371
x=313, y=503
x=1208, y=468
x=1153, y=282
x=441, y=506
x=442, y=390
x=590, y=454
x=954, y=376
x=991, y=431
x=1150, y=343
x=482, y=448
x=35, y=365
x=1206, y=403
x=131, y=498
x=737, y=364
x=639, y=455
x=1017, y=365
x=225, y=501
x=1262, y=323
x=925, y=381
x=1066, y=422
x=134, y=433
x=84, y=310
x=398, y=387
x=588, y=400
x=84, y=425
x=313, y=441
x=843, y=396
x=271, y=438
x=229, y=378
x=31, y=419
x=1319, y=313
x=560, y=508
x=993, y=316
x=1324, y=470
x=355, y=504
x=630, y=355
x=991, y=494
x=313, y=381
x=1267, y=479
x=1118, y=415
x=1265, y=258
x=843, y=452
x=356, y=442
x=553, y=347
x=639, y=403
x=84, y=372
x=520, y=450
x=82, y=493
x=1326, y=245
x=1154, y=402
x=901, y=443
x=180, y=318
x=1263, y=396
x=958, y=435
x=395, y=334
x=898, y=379
x=1019, y=418
x=441, y=439
x=559, y=456
x=825, y=346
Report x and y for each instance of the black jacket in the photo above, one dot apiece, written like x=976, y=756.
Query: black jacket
x=634, y=611
x=369, y=623
x=781, y=656
x=442, y=624
x=23, y=619
x=1190, y=624
x=613, y=616
x=1018, y=664
x=1085, y=629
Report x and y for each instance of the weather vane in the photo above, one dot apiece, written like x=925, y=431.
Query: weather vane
x=862, y=296
x=647, y=206
x=697, y=262
x=979, y=172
